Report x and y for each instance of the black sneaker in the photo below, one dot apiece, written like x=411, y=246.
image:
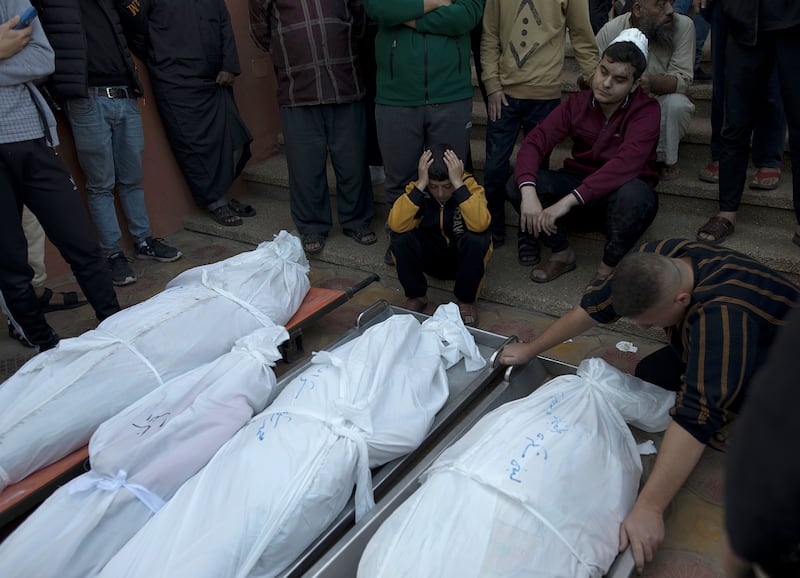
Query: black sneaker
x=154, y=248
x=121, y=272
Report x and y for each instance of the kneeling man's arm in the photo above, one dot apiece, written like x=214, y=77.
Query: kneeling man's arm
x=570, y=325
x=643, y=527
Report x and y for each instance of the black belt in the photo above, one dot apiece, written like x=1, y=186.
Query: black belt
x=112, y=91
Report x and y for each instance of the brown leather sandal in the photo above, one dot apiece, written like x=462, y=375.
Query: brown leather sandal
x=719, y=228
x=551, y=270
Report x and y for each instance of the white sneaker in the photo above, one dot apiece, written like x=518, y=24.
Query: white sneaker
x=376, y=174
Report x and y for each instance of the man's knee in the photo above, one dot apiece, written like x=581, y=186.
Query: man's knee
x=676, y=108
x=636, y=197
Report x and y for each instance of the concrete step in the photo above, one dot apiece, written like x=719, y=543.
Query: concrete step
x=764, y=229
x=699, y=131
x=700, y=94
x=506, y=283
x=692, y=159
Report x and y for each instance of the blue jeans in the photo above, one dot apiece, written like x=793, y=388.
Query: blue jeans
x=501, y=134
x=109, y=140
x=701, y=27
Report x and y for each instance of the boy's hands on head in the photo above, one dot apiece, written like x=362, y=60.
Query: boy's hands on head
x=425, y=162
x=455, y=168
x=12, y=41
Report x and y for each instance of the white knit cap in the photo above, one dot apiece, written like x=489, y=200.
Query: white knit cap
x=636, y=36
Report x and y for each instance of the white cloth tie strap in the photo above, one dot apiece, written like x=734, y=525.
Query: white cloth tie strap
x=135, y=351
x=254, y=311
x=344, y=426
x=457, y=469
x=93, y=480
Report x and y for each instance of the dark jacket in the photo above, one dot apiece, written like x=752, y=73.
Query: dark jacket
x=61, y=20
x=610, y=152
x=747, y=17
x=426, y=65
x=314, y=52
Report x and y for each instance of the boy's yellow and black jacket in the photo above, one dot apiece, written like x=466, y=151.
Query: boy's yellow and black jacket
x=466, y=210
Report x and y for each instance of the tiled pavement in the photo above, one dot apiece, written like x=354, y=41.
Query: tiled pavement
x=694, y=520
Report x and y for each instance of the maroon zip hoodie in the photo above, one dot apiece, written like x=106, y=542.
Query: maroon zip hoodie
x=610, y=152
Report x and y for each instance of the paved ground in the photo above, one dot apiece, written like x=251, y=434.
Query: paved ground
x=694, y=519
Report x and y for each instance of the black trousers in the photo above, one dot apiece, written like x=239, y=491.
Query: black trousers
x=747, y=72
x=623, y=215
x=31, y=174
x=418, y=252
x=663, y=368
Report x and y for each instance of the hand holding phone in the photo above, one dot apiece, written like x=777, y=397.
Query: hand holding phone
x=26, y=18
x=12, y=41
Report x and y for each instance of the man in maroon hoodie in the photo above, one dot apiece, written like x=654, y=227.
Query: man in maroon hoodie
x=609, y=180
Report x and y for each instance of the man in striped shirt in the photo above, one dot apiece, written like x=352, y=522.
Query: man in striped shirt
x=721, y=311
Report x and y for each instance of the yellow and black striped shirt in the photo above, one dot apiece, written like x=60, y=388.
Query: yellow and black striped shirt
x=738, y=305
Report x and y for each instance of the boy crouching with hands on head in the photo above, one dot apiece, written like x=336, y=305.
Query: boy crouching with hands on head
x=440, y=226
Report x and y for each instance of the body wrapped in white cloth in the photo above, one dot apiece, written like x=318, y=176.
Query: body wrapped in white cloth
x=285, y=477
x=51, y=406
x=140, y=458
x=537, y=488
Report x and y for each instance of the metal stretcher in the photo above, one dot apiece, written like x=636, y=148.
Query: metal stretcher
x=336, y=553
x=19, y=498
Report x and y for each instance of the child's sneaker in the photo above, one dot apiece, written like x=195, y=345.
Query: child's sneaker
x=154, y=248
x=121, y=272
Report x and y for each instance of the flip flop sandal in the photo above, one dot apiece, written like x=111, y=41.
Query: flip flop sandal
x=469, y=313
x=362, y=236
x=69, y=300
x=241, y=209
x=225, y=216
x=552, y=270
x=415, y=304
x=313, y=243
x=719, y=228
x=766, y=179
x=528, y=252
x=710, y=173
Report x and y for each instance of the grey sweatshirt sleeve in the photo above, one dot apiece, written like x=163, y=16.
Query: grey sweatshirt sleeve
x=34, y=61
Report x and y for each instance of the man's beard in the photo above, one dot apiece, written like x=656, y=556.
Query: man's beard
x=662, y=35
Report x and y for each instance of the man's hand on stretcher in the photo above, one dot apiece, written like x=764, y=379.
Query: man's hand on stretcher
x=570, y=325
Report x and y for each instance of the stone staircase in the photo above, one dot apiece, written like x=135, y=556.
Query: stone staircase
x=764, y=228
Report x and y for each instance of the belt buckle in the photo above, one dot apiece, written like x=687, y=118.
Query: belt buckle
x=115, y=92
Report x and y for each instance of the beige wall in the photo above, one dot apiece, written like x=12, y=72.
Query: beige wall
x=167, y=196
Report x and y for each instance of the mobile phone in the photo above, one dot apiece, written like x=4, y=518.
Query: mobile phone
x=26, y=18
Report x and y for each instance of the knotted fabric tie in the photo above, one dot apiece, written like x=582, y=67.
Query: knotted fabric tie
x=92, y=480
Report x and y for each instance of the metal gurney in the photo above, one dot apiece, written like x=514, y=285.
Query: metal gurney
x=337, y=552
